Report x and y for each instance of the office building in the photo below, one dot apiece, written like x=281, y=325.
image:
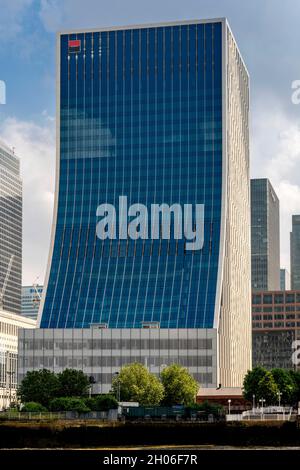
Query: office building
x=285, y=279
x=10, y=230
x=150, y=251
x=232, y=399
x=295, y=252
x=265, y=237
x=10, y=324
x=30, y=302
x=276, y=325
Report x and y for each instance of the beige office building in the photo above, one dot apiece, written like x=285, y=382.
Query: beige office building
x=10, y=325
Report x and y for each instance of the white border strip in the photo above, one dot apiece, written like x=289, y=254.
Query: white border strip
x=224, y=178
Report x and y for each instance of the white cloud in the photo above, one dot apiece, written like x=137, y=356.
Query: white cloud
x=47, y=116
x=67, y=14
x=11, y=17
x=35, y=145
x=289, y=195
x=52, y=14
x=275, y=154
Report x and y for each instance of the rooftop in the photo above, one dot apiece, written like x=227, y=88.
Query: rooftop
x=220, y=392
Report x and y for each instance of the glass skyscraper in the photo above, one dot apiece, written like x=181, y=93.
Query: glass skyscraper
x=265, y=236
x=30, y=300
x=295, y=252
x=285, y=279
x=141, y=116
x=154, y=115
x=10, y=230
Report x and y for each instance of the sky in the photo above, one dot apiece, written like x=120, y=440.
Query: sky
x=268, y=36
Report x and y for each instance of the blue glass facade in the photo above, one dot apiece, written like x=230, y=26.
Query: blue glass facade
x=140, y=116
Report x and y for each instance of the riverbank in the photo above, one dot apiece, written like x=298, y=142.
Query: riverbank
x=80, y=434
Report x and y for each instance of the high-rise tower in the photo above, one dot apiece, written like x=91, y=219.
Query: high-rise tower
x=265, y=236
x=295, y=252
x=10, y=230
x=150, y=248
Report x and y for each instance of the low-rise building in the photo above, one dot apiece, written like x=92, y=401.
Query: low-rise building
x=101, y=352
x=275, y=328
x=10, y=324
x=231, y=399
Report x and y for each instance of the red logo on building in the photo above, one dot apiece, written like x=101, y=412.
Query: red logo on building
x=74, y=45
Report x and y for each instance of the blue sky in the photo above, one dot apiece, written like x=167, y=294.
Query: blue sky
x=268, y=35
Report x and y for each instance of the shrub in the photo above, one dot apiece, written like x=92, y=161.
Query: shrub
x=209, y=408
x=102, y=403
x=79, y=406
x=60, y=404
x=69, y=404
x=32, y=406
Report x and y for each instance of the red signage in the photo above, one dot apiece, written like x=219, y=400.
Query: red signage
x=74, y=45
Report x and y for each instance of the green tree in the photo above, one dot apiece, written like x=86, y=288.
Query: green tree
x=136, y=383
x=251, y=381
x=285, y=384
x=268, y=389
x=295, y=376
x=38, y=386
x=72, y=383
x=32, y=406
x=180, y=387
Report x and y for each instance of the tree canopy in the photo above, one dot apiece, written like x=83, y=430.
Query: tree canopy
x=179, y=385
x=285, y=383
x=268, y=389
x=38, y=386
x=72, y=383
x=268, y=384
x=42, y=386
x=136, y=383
x=295, y=375
x=251, y=381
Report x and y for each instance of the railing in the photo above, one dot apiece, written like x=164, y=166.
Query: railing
x=234, y=417
x=111, y=415
x=264, y=414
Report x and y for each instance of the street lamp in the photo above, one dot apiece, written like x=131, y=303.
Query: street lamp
x=229, y=402
x=92, y=381
x=279, y=398
x=262, y=401
x=10, y=372
x=118, y=387
x=253, y=397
